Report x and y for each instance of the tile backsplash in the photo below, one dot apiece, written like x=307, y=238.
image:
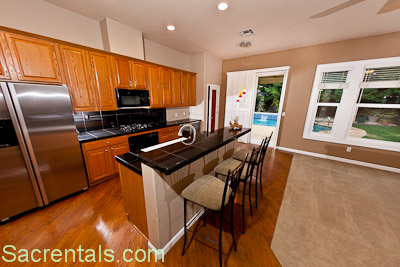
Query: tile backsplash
x=90, y=121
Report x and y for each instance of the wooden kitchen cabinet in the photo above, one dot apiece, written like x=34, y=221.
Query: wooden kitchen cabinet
x=176, y=88
x=4, y=72
x=165, y=87
x=102, y=75
x=123, y=73
x=184, y=89
x=79, y=79
x=168, y=134
x=116, y=150
x=154, y=79
x=98, y=164
x=192, y=89
x=139, y=75
x=35, y=60
x=100, y=157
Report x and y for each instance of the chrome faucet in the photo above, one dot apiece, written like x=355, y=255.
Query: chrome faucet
x=180, y=133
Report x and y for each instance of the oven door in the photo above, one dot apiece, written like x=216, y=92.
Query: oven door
x=136, y=143
x=132, y=98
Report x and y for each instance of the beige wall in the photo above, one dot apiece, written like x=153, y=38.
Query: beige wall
x=303, y=62
x=208, y=69
x=179, y=113
x=163, y=55
x=42, y=18
x=122, y=39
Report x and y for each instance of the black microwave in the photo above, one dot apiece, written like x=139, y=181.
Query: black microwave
x=127, y=98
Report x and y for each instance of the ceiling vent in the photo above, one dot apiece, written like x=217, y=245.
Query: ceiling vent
x=247, y=32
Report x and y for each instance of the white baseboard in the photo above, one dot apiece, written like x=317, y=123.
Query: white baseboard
x=356, y=162
x=176, y=238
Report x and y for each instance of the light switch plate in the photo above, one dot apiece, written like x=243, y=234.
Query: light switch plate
x=176, y=114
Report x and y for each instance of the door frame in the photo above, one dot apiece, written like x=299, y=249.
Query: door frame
x=272, y=72
x=209, y=107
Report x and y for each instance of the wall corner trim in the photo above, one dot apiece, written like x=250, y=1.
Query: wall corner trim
x=355, y=162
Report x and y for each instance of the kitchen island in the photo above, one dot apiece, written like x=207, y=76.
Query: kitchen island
x=153, y=181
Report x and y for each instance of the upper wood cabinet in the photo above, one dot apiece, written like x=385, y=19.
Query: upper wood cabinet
x=192, y=89
x=165, y=86
x=139, y=75
x=35, y=60
x=123, y=73
x=184, y=89
x=154, y=80
x=176, y=88
x=4, y=72
x=102, y=74
x=79, y=79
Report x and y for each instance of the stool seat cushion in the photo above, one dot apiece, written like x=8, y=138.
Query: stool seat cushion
x=226, y=166
x=207, y=191
x=241, y=154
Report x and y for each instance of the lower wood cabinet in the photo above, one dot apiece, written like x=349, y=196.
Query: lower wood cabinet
x=168, y=134
x=100, y=157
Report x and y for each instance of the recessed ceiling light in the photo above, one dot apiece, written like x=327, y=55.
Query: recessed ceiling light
x=223, y=6
x=171, y=27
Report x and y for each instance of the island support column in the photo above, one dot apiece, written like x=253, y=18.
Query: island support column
x=164, y=205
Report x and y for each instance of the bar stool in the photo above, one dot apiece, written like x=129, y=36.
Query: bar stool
x=239, y=155
x=211, y=193
x=229, y=164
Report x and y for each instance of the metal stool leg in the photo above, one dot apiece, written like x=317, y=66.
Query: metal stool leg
x=256, y=186
x=184, y=216
x=205, y=214
x=251, y=209
x=260, y=178
x=244, y=194
x=220, y=238
x=232, y=232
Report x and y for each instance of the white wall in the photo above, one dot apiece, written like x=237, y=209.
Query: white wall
x=122, y=39
x=163, y=55
x=39, y=17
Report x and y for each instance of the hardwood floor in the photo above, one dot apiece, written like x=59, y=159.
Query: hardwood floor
x=97, y=217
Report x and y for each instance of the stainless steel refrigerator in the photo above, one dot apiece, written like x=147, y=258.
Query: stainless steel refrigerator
x=40, y=156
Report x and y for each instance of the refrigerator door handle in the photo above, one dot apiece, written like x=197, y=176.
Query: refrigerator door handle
x=29, y=148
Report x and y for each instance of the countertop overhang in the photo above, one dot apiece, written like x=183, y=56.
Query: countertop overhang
x=173, y=157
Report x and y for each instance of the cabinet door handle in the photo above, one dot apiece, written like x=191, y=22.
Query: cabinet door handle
x=108, y=143
x=106, y=150
x=130, y=83
x=112, y=148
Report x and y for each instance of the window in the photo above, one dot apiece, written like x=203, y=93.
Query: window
x=356, y=103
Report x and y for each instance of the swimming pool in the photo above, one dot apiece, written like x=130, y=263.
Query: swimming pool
x=265, y=119
x=320, y=128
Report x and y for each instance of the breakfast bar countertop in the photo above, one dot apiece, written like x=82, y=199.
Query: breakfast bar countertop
x=173, y=157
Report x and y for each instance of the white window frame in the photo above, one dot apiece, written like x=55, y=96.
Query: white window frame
x=347, y=108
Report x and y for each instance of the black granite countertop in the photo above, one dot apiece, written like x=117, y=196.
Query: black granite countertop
x=112, y=132
x=173, y=157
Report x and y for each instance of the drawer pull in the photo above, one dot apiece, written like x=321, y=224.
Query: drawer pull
x=106, y=150
x=112, y=148
x=108, y=143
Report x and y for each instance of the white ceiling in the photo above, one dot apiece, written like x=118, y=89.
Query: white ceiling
x=278, y=24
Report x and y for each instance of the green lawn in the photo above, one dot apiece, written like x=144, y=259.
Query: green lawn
x=385, y=133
